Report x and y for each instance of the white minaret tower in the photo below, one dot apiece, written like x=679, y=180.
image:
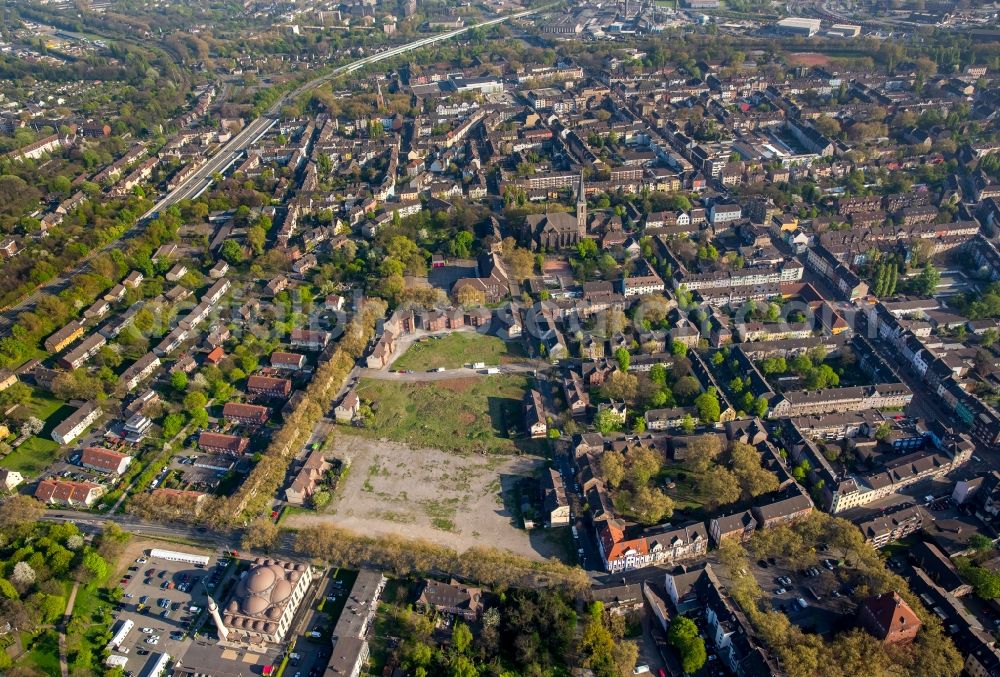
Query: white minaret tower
x=213, y=609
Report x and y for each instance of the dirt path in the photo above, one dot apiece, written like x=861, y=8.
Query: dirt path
x=63, y=664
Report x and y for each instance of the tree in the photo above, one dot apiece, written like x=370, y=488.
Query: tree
x=980, y=543
x=686, y=388
x=613, y=468
x=321, y=499
x=753, y=478
x=927, y=281
x=469, y=296
x=7, y=589
x=683, y=636
x=702, y=451
x=774, y=365
x=649, y=505
x=22, y=576
x=688, y=424
x=194, y=402
x=621, y=386
x=172, y=425
x=19, y=512
x=96, y=566
x=260, y=533
x=678, y=348
x=232, y=252
x=642, y=465
x=623, y=357
x=179, y=381
x=658, y=374
x=708, y=408
x=461, y=637
x=720, y=486
x=520, y=262
x=607, y=421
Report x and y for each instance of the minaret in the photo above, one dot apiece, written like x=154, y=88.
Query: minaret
x=213, y=609
x=581, y=208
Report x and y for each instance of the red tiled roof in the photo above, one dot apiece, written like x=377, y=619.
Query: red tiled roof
x=104, y=459
x=230, y=443
x=57, y=490
x=245, y=411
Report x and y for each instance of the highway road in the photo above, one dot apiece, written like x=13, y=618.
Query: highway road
x=201, y=179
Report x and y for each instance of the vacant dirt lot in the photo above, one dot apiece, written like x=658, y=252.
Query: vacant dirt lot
x=429, y=494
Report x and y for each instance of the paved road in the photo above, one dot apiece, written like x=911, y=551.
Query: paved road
x=201, y=179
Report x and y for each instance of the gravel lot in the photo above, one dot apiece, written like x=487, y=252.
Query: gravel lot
x=428, y=494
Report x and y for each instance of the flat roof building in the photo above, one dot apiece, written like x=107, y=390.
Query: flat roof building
x=798, y=26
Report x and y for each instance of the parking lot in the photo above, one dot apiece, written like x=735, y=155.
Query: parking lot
x=824, y=595
x=163, y=599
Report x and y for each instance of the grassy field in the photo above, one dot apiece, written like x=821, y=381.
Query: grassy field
x=455, y=350
x=477, y=414
x=35, y=455
x=32, y=457
x=44, y=654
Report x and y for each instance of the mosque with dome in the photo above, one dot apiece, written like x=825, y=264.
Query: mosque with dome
x=263, y=603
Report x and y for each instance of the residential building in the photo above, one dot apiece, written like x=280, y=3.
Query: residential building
x=656, y=546
x=223, y=444
x=70, y=494
x=554, y=500
x=105, y=460
x=304, y=485
x=76, y=423
x=245, y=414
x=452, y=598
x=269, y=386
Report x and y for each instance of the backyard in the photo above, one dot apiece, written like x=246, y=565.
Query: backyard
x=466, y=415
x=37, y=453
x=456, y=350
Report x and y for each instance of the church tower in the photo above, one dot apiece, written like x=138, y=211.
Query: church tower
x=581, y=209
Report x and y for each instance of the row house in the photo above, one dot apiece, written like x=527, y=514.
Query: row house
x=307, y=480
x=268, y=386
x=74, y=425
x=662, y=546
x=220, y=443
x=884, y=529
x=105, y=460
x=82, y=353
x=140, y=370
x=289, y=361
x=245, y=414
x=309, y=339
x=62, y=338
x=829, y=400
x=69, y=494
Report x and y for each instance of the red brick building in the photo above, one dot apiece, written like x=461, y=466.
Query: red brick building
x=889, y=619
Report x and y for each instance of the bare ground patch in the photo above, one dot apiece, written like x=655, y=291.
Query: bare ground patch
x=457, y=501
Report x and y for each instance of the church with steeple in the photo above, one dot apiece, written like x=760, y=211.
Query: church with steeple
x=556, y=230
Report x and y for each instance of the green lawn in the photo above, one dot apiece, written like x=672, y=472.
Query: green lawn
x=44, y=653
x=455, y=350
x=32, y=457
x=42, y=404
x=476, y=414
